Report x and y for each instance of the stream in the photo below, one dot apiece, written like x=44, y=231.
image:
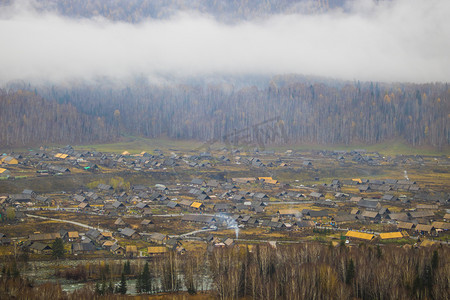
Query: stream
x=44, y=271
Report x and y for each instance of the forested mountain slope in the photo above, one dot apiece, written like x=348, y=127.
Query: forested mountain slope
x=332, y=112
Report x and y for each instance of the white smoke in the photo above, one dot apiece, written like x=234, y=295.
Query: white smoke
x=231, y=223
x=406, y=175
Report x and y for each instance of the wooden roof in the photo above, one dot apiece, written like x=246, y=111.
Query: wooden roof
x=370, y=214
x=423, y=227
x=107, y=234
x=293, y=212
x=405, y=225
x=185, y=202
x=441, y=225
x=108, y=243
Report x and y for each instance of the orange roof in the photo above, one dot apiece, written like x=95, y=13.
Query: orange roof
x=196, y=204
x=359, y=235
x=268, y=180
x=391, y=235
x=357, y=180
x=73, y=234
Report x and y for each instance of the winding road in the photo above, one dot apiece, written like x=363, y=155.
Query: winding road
x=67, y=221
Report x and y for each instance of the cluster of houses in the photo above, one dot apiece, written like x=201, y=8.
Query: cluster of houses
x=95, y=240
x=244, y=200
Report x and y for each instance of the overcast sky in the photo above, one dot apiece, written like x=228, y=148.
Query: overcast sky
x=402, y=40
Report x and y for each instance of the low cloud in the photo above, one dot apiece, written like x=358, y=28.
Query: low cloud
x=399, y=40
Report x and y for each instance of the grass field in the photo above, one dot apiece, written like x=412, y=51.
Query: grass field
x=388, y=148
x=136, y=145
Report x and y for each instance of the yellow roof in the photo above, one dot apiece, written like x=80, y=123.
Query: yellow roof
x=196, y=204
x=157, y=250
x=2, y=170
x=357, y=180
x=107, y=234
x=391, y=235
x=273, y=181
x=125, y=153
x=9, y=160
x=359, y=235
x=265, y=178
x=61, y=155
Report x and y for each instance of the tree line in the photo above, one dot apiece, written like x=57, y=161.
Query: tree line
x=303, y=271
x=322, y=112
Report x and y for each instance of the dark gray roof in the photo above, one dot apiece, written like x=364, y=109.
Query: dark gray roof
x=141, y=205
x=317, y=213
x=197, y=181
x=172, y=204
x=104, y=187
x=83, y=247
x=315, y=195
x=128, y=231
x=368, y=203
x=118, y=204
x=40, y=246
x=93, y=234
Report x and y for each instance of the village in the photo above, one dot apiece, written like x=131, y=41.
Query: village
x=144, y=205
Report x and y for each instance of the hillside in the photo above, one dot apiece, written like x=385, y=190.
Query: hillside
x=281, y=113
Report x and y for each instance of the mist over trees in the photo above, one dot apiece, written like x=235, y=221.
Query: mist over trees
x=323, y=112
x=138, y=10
